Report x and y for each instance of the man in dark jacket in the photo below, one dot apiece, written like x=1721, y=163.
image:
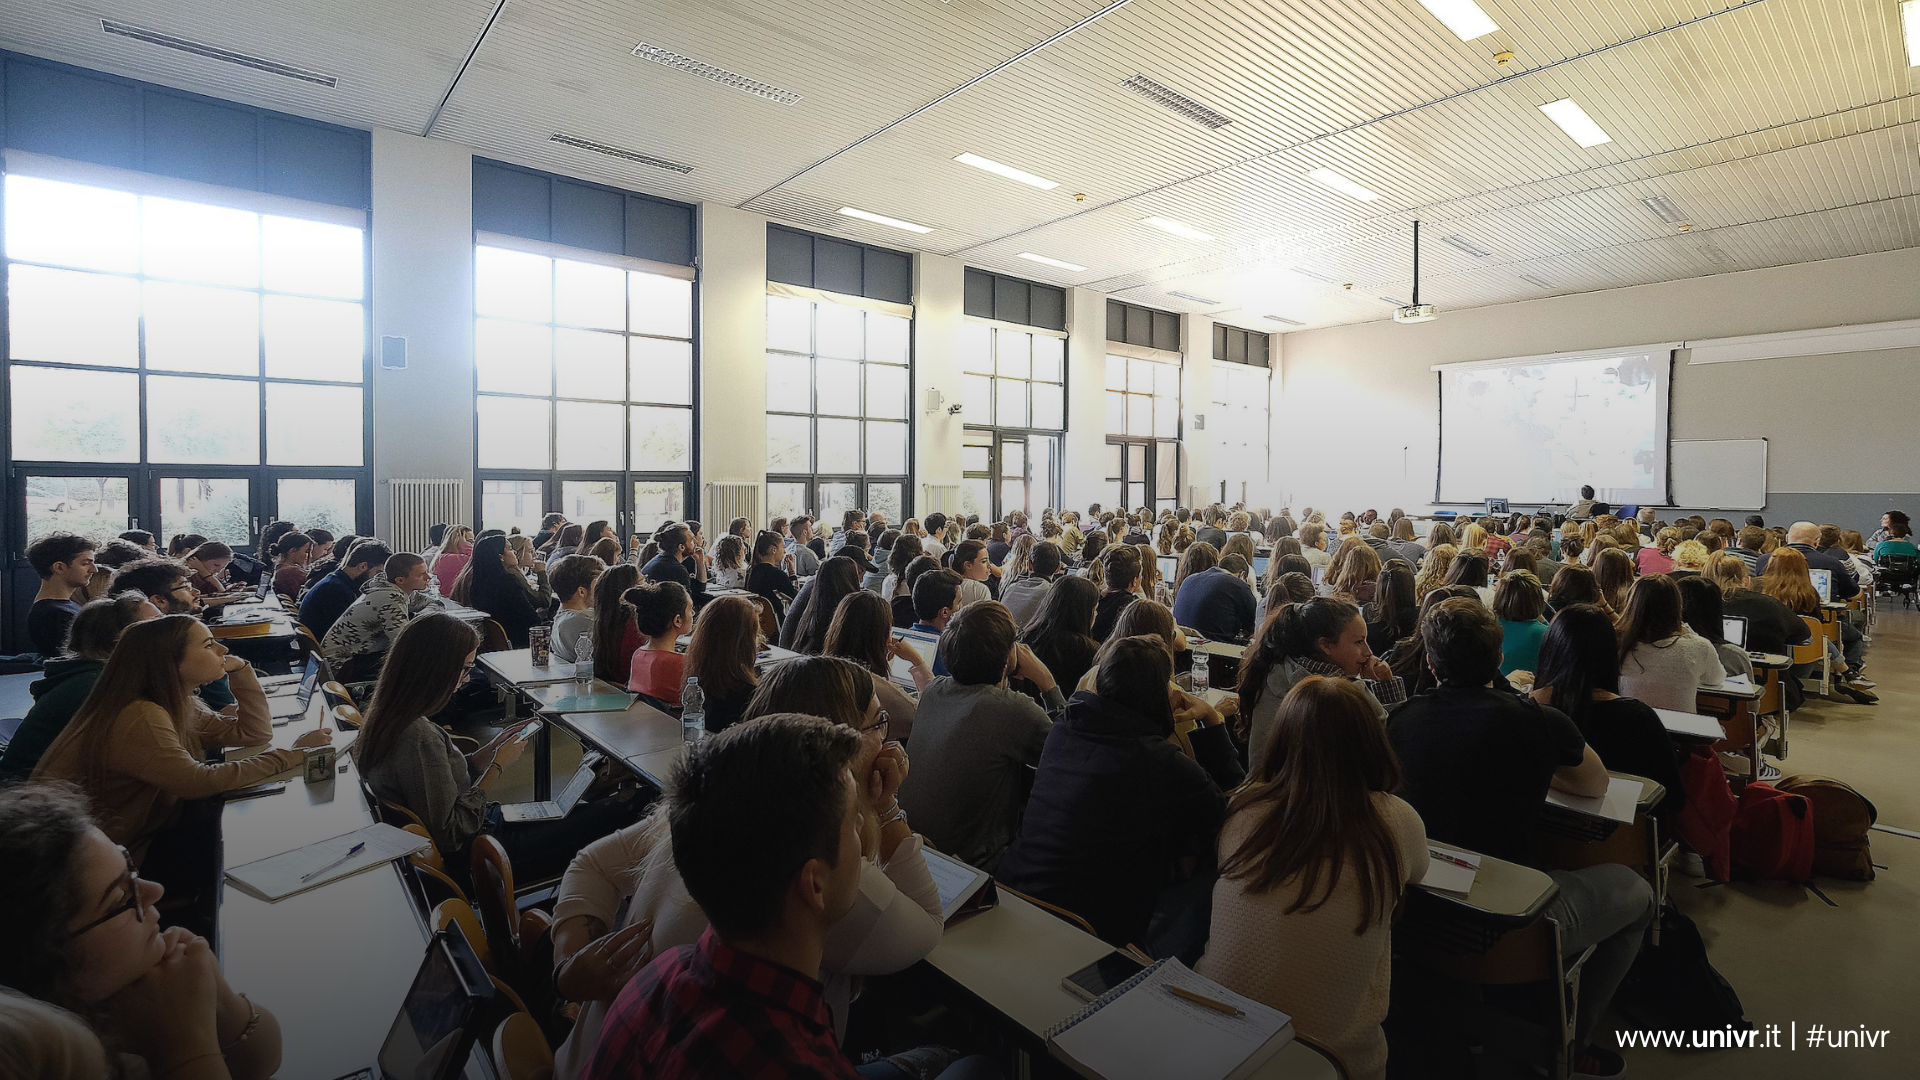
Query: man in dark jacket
x=1116, y=803
x=1804, y=537
x=331, y=596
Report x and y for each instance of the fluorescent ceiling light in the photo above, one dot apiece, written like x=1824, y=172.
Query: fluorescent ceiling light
x=1391, y=300
x=1910, y=17
x=1575, y=122
x=1341, y=184
x=1177, y=228
x=1283, y=319
x=1466, y=245
x=1463, y=17
x=1664, y=207
x=1532, y=279
x=1007, y=171
x=1044, y=261
x=1315, y=275
x=1192, y=297
x=882, y=219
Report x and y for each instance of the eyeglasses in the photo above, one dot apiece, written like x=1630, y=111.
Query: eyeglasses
x=132, y=883
x=879, y=725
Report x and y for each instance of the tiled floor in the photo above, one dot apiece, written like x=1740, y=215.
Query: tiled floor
x=1792, y=958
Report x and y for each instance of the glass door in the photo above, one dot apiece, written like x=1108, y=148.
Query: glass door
x=92, y=501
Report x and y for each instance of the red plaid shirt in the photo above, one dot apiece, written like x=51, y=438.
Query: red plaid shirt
x=709, y=1011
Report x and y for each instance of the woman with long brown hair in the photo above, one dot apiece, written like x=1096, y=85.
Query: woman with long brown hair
x=1315, y=853
x=411, y=761
x=805, y=630
x=1662, y=662
x=616, y=637
x=862, y=631
x=722, y=653
x=1772, y=627
x=1788, y=581
x=137, y=746
x=1574, y=585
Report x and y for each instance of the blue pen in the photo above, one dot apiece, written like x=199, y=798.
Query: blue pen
x=351, y=852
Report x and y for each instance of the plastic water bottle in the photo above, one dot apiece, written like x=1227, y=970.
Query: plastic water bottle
x=583, y=665
x=1201, y=676
x=693, y=712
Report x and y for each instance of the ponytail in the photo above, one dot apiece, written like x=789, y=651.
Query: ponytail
x=1292, y=632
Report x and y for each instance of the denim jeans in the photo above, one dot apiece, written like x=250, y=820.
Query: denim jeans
x=1608, y=906
x=1853, y=645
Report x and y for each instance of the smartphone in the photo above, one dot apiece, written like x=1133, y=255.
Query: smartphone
x=1102, y=975
x=533, y=728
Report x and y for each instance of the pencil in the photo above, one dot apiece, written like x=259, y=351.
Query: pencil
x=1202, y=1000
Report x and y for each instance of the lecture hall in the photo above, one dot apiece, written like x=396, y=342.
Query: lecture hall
x=959, y=539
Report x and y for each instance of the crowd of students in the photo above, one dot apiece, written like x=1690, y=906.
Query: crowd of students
x=1392, y=690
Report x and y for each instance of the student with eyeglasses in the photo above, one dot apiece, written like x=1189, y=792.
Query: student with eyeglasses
x=87, y=938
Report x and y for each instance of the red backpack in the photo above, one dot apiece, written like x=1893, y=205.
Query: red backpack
x=1706, y=819
x=1773, y=835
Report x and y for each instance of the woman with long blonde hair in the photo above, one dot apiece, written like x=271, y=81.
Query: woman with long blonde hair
x=1433, y=571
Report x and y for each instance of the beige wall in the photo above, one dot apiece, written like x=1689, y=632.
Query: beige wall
x=1356, y=421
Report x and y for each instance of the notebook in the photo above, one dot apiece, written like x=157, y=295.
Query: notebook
x=556, y=808
x=286, y=874
x=1140, y=1030
x=1445, y=872
x=1616, y=805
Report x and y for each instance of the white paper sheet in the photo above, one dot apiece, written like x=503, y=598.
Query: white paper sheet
x=1616, y=805
x=1445, y=875
x=278, y=876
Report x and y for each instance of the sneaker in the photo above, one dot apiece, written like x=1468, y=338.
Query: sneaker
x=1598, y=1063
x=1860, y=696
x=1768, y=773
x=1691, y=864
x=1863, y=683
x=925, y=1062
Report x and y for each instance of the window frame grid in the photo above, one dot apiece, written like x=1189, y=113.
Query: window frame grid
x=553, y=476
x=863, y=481
x=144, y=474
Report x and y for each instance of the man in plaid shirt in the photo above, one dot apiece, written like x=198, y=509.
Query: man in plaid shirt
x=765, y=820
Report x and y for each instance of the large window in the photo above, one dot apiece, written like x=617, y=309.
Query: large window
x=1014, y=400
x=1240, y=423
x=583, y=372
x=838, y=410
x=183, y=365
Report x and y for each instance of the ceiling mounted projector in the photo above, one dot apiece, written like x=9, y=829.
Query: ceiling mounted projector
x=1416, y=311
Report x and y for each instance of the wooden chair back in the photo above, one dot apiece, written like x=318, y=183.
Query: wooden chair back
x=459, y=913
x=520, y=1050
x=347, y=718
x=1054, y=909
x=336, y=692
x=493, y=637
x=428, y=856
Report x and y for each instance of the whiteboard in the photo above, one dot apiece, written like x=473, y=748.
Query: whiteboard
x=1720, y=474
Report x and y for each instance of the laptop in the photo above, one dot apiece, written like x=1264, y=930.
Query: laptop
x=553, y=809
x=433, y=1035
x=1734, y=628
x=1496, y=506
x=1822, y=584
x=292, y=706
x=1320, y=573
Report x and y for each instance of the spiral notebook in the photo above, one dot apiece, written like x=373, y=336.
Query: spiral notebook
x=1141, y=1030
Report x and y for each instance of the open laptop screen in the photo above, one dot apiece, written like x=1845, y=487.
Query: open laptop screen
x=1822, y=584
x=432, y=1035
x=1734, y=627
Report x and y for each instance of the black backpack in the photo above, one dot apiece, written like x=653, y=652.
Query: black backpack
x=1672, y=984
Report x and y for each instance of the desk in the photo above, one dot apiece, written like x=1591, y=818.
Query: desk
x=1734, y=708
x=515, y=667
x=1505, y=895
x=332, y=964
x=628, y=735
x=1012, y=957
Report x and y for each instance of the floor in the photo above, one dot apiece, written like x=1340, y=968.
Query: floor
x=1791, y=957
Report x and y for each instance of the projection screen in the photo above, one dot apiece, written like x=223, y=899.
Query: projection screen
x=1534, y=429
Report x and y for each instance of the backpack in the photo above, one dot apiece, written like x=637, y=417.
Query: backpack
x=1841, y=818
x=1673, y=985
x=1706, y=818
x=1772, y=835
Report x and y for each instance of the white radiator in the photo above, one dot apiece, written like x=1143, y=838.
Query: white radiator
x=729, y=499
x=418, y=505
x=941, y=498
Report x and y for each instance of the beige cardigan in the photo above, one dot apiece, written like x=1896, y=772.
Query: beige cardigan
x=147, y=772
x=1311, y=965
